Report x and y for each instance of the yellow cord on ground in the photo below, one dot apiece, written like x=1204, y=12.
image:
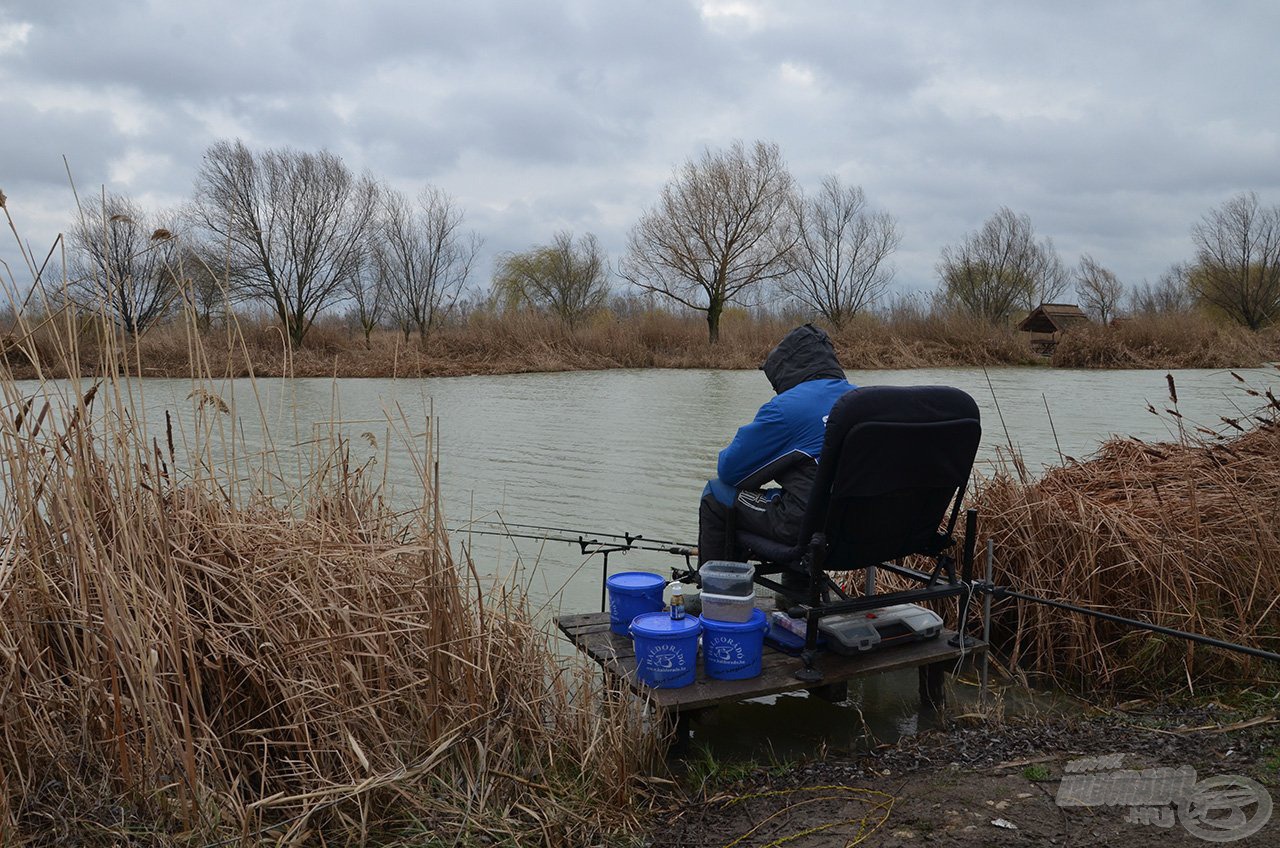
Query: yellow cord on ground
x=865, y=827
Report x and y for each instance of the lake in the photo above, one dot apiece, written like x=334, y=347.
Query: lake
x=628, y=451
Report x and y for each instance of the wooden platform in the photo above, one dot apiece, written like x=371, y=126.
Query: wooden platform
x=589, y=632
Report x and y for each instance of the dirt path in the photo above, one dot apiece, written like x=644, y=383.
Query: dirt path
x=999, y=786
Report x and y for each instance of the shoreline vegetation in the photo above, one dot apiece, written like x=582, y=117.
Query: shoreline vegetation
x=486, y=343
x=194, y=651
x=1177, y=533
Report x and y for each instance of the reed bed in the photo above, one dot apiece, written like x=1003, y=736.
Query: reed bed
x=1181, y=340
x=489, y=343
x=188, y=657
x=1181, y=534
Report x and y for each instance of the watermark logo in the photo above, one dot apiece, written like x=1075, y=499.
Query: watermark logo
x=1222, y=808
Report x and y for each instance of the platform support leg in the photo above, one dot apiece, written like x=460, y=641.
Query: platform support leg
x=679, y=722
x=932, y=690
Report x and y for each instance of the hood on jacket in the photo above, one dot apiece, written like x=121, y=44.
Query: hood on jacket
x=804, y=354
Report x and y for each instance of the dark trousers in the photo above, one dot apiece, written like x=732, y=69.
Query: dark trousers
x=751, y=514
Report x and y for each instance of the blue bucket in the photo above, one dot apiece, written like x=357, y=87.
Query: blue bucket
x=731, y=650
x=632, y=593
x=666, y=649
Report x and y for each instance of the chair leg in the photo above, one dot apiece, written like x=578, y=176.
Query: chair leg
x=813, y=559
x=808, y=672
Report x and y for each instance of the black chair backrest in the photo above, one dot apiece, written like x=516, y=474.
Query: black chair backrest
x=893, y=460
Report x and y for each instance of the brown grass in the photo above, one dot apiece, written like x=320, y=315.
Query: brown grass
x=186, y=660
x=1178, y=534
x=487, y=343
x=1191, y=340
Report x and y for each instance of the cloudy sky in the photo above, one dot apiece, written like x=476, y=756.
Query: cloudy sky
x=1114, y=125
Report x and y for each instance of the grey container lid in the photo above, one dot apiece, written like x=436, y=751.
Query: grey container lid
x=721, y=577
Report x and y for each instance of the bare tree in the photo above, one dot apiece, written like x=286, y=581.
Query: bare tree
x=722, y=226
x=423, y=256
x=1098, y=289
x=202, y=280
x=122, y=263
x=1170, y=294
x=839, y=266
x=367, y=289
x=1238, y=261
x=291, y=223
x=1002, y=268
x=566, y=279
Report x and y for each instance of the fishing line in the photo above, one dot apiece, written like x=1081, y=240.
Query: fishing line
x=1001, y=592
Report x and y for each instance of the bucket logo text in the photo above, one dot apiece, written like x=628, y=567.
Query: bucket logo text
x=665, y=657
x=724, y=650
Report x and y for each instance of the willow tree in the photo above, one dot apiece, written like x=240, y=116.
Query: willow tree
x=423, y=256
x=123, y=263
x=1098, y=290
x=724, y=224
x=1002, y=268
x=568, y=278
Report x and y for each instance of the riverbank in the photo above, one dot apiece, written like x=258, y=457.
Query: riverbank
x=520, y=343
x=974, y=785
x=206, y=644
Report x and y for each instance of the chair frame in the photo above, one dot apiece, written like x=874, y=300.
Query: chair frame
x=939, y=583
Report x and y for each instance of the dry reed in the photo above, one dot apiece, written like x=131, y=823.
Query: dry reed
x=487, y=343
x=187, y=660
x=1189, y=340
x=1179, y=534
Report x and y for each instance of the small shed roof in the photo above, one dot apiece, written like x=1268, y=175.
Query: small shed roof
x=1052, y=318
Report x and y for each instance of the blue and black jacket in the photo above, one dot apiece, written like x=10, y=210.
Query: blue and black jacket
x=783, y=442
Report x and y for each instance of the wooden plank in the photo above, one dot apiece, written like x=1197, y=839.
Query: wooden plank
x=616, y=654
x=572, y=623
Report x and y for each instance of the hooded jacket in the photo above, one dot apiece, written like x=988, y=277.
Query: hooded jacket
x=784, y=440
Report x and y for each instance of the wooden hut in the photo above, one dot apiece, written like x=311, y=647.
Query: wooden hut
x=1046, y=323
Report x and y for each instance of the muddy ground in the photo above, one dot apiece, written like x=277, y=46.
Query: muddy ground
x=997, y=785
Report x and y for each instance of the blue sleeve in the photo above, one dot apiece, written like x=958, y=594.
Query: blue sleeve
x=755, y=445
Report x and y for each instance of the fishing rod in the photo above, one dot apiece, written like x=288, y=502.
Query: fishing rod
x=1003, y=592
x=627, y=536
x=625, y=541
x=618, y=543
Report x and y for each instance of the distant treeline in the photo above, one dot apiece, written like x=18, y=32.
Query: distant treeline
x=297, y=236
x=627, y=334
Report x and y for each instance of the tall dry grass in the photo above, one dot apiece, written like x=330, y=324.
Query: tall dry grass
x=488, y=343
x=930, y=339
x=189, y=659
x=1181, y=534
x=1184, y=340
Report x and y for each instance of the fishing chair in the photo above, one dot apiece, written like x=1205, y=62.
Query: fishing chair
x=893, y=460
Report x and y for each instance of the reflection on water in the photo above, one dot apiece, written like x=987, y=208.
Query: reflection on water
x=629, y=451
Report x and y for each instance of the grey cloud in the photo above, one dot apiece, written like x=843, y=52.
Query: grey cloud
x=1113, y=126
x=33, y=142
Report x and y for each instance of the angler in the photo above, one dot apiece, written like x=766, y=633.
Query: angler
x=781, y=444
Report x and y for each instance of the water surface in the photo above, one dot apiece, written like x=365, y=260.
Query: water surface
x=628, y=451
